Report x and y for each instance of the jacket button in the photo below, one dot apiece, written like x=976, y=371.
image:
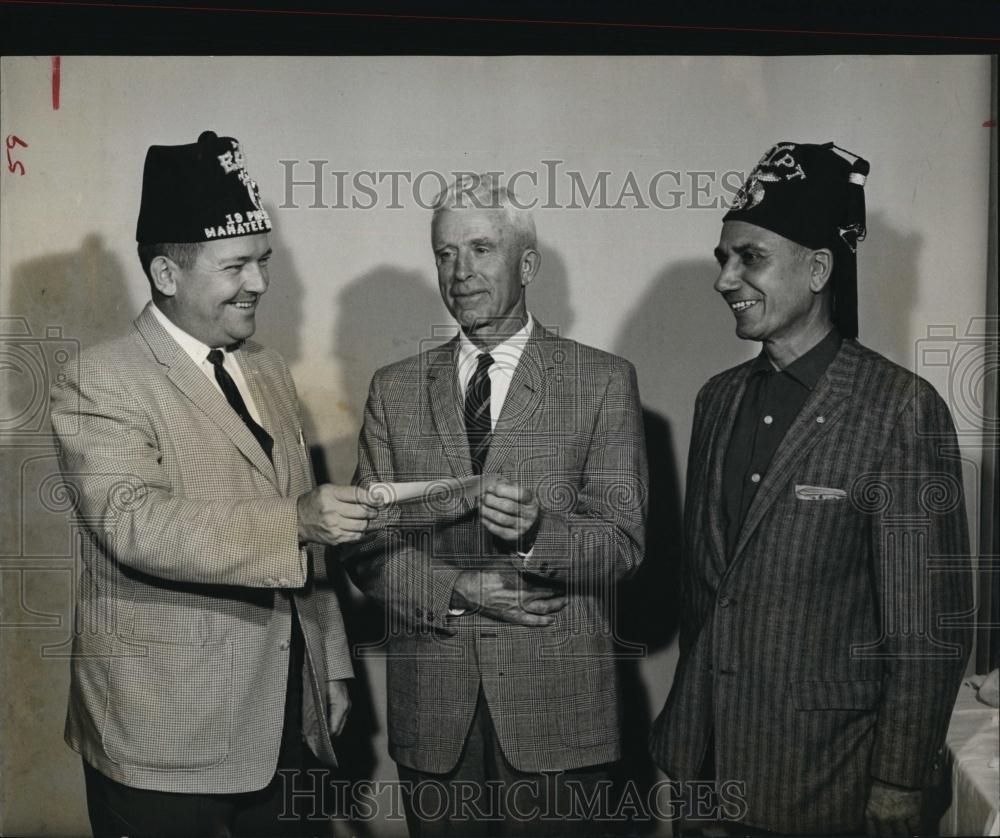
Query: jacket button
x=284, y=645
x=430, y=617
x=419, y=612
x=724, y=601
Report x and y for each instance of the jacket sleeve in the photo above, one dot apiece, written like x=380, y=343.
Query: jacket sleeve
x=111, y=458
x=922, y=571
x=602, y=535
x=327, y=600
x=395, y=566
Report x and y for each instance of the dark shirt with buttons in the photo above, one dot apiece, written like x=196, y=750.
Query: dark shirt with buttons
x=772, y=400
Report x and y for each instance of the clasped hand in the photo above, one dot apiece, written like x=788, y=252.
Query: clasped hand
x=508, y=596
x=335, y=514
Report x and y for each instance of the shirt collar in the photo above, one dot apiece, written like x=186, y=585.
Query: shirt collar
x=189, y=343
x=506, y=354
x=807, y=369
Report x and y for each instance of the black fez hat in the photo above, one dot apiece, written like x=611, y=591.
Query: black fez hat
x=198, y=192
x=814, y=196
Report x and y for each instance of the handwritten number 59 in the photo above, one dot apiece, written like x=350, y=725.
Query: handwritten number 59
x=12, y=164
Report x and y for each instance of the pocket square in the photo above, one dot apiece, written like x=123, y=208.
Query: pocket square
x=819, y=493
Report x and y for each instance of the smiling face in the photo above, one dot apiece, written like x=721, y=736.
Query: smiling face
x=215, y=299
x=482, y=271
x=775, y=288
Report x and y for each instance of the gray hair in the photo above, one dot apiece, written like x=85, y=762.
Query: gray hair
x=472, y=191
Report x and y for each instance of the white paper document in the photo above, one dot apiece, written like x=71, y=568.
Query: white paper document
x=434, y=491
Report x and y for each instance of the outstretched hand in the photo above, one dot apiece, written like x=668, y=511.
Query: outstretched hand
x=335, y=514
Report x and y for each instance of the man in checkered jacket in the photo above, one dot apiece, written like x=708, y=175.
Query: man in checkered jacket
x=503, y=691
x=209, y=644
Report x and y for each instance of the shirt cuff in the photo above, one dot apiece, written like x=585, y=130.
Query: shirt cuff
x=523, y=559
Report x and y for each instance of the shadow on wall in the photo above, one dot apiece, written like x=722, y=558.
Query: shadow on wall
x=279, y=325
x=678, y=335
x=549, y=295
x=382, y=316
x=88, y=296
x=888, y=286
x=85, y=292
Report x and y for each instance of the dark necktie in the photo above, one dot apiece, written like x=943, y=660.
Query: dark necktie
x=477, y=412
x=232, y=394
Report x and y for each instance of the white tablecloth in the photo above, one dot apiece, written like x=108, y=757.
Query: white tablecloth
x=973, y=751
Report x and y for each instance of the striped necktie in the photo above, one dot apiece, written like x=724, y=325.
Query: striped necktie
x=478, y=426
x=235, y=399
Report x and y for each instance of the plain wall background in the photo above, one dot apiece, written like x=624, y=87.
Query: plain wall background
x=353, y=289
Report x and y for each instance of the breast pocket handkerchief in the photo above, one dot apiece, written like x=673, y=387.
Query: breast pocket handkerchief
x=819, y=493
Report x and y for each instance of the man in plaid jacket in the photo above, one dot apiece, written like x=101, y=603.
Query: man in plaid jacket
x=827, y=587
x=499, y=627
x=208, y=642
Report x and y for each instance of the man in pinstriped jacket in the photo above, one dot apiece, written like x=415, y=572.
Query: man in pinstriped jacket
x=827, y=554
x=208, y=641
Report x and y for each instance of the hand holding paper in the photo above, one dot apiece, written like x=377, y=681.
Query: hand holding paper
x=509, y=511
x=334, y=514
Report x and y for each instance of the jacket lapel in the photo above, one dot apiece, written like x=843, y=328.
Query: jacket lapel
x=822, y=410
x=269, y=416
x=194, y=384
x=520, y=407
x=724, y=414
x=445, y=401
x=524, y=396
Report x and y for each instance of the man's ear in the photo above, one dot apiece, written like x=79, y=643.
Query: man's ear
x=820, y=269
x=531, y=261
x=163, y=273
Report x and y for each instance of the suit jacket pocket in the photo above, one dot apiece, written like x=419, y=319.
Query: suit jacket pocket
x=170, y=705
x=836, y=695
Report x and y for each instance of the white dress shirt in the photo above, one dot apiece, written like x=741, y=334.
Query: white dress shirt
x=199, y=354
x=505, y=355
